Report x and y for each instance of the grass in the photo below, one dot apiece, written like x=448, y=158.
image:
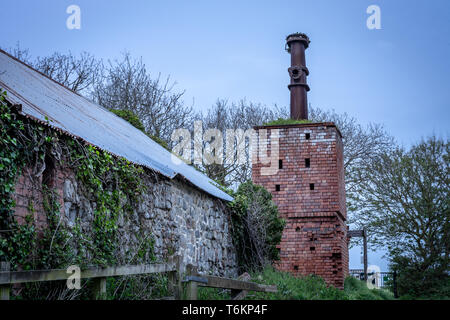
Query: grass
x=281, y=121
x=357, y=290
x=304, y=288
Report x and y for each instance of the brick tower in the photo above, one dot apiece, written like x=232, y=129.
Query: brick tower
x=308, y=185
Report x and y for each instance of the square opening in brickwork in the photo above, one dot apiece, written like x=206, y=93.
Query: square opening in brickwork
x=307, y=163
x=311, y=186
x=297, y=229
x=334, y=272
x=307, y=136
x=296, y=268
x=280, y=164
x=277, y=187
x=312, y=248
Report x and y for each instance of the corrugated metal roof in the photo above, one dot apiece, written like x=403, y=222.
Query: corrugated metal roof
x=42, y=98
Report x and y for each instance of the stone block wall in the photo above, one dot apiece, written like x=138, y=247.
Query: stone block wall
x=181, y=218
x=309, y=189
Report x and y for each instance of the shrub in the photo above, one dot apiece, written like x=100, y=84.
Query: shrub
x=417, y=280
x=256, y=226
x=134, y=120
x=131, y=117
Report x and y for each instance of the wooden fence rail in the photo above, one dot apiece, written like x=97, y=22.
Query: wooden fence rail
x=172, y=267
x=238, y=287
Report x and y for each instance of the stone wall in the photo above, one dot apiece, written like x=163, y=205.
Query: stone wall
x=181, y=218
x=311, y=197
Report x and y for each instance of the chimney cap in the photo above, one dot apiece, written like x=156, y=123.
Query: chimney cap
x=298, y=36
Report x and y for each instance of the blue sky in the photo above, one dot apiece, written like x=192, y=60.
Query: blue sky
x=397, y=76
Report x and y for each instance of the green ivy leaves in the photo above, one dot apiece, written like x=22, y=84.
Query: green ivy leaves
x=114, y=184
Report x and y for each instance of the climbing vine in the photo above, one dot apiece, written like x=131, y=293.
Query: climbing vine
x=10, y=156
x=113, y=184
x=10, y=164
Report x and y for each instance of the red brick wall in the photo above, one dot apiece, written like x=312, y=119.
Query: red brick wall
x=28, y=194
x=315, y=237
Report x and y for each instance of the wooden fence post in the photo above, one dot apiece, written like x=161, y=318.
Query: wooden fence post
x=4, y=289
x=240, y=294
x=365, y=253
x=174, y=279
x=192, y=287
x=99, y=288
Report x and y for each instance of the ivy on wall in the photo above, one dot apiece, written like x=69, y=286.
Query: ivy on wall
x=9, y=158
x=114, y=184
x=10, y=164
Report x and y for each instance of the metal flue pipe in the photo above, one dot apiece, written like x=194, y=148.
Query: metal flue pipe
x=296, y=44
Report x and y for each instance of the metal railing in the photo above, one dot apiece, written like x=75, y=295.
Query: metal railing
x=382, y=280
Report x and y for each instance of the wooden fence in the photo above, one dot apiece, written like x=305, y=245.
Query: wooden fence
x=238, y=287
x=99, y=275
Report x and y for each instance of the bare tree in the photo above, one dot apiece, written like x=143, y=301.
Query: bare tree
x=241, y=115
x=129, y=86
x=20, y=53
x=79, y=74
x=123, y=85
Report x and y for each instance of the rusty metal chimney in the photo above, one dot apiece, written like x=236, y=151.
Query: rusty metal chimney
x=296, y=44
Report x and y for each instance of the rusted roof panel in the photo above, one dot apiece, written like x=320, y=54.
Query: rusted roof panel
x=42, y=98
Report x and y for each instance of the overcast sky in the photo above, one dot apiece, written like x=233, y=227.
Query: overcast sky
x=397, y=76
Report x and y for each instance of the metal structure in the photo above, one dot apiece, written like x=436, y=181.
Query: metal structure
x=50, y=103
x=296, y=44
x=384, y=280
x=361, y=233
